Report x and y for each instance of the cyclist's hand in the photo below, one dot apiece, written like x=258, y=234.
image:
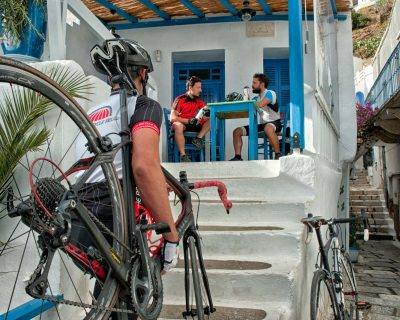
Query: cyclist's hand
x=193, y=121
x=170, y=255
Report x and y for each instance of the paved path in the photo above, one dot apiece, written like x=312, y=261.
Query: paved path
x=378, y=279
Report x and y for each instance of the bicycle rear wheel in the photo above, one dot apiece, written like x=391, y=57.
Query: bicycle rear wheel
x=61, y=126
x=322, y=302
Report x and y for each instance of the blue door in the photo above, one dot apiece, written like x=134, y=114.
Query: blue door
x=277, y=71
x=212, y=75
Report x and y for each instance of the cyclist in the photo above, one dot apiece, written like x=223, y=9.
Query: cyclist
x=127, y=57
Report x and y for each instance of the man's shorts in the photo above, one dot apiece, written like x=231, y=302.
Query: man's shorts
x=193, y=127
x=277, y=124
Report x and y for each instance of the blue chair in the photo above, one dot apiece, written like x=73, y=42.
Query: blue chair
x=265, y=147
x=173, y=152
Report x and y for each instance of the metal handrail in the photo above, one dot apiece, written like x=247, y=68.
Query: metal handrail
x=388, y=82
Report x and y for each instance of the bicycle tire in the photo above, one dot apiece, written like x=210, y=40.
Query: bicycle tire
x=327, y=312
x=349, y=286
x=15, y=72
x=194, y=264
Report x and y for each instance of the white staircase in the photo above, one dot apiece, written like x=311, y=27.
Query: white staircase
x=253, y=254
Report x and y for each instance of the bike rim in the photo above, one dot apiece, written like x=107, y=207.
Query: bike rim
x=20, y=251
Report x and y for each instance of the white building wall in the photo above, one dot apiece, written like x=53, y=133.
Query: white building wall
x=241, y=61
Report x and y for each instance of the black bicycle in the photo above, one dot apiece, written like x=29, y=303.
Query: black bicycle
x=334, y=294
x=114, y=269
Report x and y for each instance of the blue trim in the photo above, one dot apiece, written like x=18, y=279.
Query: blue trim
x=187, y=21
x=193, y=8
x=228, y=5
x=334, y=7
x=296, y=71
x=122, y=13
x=265, y=6
x=29, y=310
x=154, y=8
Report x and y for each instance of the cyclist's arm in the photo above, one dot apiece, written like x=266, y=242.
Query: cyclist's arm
x=145, y=128
x=175, y=114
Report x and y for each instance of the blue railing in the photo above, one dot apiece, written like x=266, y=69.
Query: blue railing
x=388, y=82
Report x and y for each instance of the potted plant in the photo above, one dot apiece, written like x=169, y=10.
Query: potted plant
x=23, y=28
x=354, y=247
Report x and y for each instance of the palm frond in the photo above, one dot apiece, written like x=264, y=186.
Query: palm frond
x=20, y=110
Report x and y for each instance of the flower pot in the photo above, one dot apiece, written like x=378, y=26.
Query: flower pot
x=31, y=44
x=353, y=253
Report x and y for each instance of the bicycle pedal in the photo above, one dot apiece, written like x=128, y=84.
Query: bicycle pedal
x=363, y=305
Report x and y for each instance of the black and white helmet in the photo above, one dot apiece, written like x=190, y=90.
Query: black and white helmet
x=117, y=56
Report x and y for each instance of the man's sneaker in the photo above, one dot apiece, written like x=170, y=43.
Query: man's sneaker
x=185, y=158
x=198, y=143
x=236, y=158
x=170, y=255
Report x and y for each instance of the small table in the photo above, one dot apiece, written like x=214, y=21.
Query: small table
x=221, y=111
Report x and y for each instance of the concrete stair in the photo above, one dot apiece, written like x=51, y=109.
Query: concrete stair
x=253, y=254
x=364, y=196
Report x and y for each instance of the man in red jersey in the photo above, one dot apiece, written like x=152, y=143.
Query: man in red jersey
x=184, y=111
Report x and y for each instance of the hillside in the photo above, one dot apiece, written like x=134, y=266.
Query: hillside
x=369, y=25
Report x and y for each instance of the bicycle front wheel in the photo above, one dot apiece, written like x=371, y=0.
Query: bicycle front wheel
x=322, y=303
x=42, y=127
x=349, y=287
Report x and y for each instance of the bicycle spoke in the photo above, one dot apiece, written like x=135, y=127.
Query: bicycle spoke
x=73, y=283
x=9, y=238
x=19, y=270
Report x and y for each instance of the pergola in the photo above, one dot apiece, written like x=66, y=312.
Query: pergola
x=133, y=14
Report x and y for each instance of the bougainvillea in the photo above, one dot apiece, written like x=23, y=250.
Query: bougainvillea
x=364, y=113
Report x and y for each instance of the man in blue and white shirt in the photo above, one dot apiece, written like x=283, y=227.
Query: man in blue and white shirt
x=269, y=117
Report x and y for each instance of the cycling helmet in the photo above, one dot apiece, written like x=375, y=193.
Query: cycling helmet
x=234, y=96
x=117, y=56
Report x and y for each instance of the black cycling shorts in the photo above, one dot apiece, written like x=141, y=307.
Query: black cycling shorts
x=276, y=123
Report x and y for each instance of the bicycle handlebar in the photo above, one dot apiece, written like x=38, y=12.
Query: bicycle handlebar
x=222, y=191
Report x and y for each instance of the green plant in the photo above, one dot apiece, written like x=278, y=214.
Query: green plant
x=359, y=20
x=14, y=17
x=20, y=110
x=355, y=227
x=366, y=48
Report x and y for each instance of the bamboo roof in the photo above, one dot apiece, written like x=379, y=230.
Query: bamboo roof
x=143, y=10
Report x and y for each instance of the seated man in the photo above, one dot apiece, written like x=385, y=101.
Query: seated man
x=270, y=120
x=183, y=117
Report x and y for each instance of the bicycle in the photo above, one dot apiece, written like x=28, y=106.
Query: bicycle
x=334, y=293
x=119, y=271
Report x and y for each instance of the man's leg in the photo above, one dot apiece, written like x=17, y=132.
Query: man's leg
x=150, y=179
x=273, y=139
x=204, y=129
x=179, y=129
x=237, y=141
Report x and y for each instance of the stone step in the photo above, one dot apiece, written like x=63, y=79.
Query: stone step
x=376, y=236
x=282, y=189
x=246, y=286
x=366, y=197
x=245, y=214
x=264, y=246
x=365, y=192
x=368, y=209
x=367, y=203
x=374, y=215
x=221, y=313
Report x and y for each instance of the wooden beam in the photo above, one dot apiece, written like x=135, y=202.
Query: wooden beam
x=122, y=13
x=390, y=125
x=265, y=6
x=228, y=5
x=155, y=9
x=196, y=11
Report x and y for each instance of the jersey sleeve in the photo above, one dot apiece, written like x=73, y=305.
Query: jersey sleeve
x=147, y=110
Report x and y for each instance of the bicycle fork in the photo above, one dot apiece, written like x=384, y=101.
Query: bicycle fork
x=194, y=236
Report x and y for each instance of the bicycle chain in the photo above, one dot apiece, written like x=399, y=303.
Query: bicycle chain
x=57, y=300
